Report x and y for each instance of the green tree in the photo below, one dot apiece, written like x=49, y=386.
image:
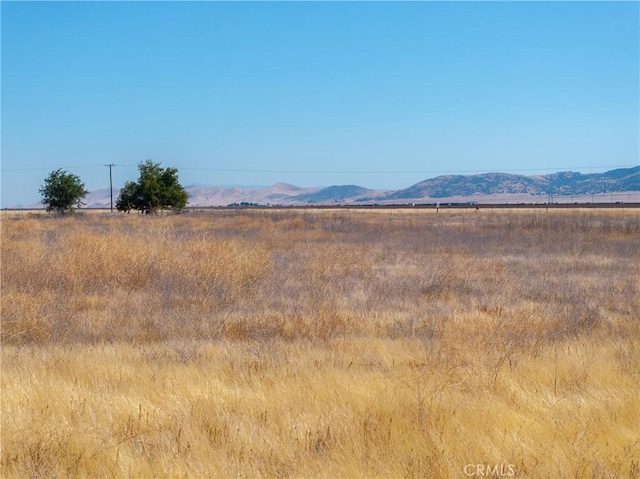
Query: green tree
x=157, y=188
x=62, y=191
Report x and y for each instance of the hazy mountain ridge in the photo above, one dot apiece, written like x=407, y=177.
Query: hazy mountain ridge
x=452, y=187
x=336, y=194
x=570, y=183
x=562, y=183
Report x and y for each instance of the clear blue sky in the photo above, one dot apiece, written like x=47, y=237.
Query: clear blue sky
x=378, y=94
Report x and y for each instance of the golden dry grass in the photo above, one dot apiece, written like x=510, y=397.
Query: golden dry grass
x=320, y=343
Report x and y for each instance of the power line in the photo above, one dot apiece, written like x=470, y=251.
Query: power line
x=63, y=167
x=257, y=170
x=50, y=168
x=310, y=171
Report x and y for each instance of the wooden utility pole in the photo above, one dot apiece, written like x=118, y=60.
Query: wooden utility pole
x=111, y=165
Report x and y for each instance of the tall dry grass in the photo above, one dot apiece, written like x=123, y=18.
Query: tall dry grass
x=320, y=343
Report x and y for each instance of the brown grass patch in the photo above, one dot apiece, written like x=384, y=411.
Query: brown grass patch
x=321, y=343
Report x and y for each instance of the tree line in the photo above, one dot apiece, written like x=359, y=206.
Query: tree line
x=157, y=188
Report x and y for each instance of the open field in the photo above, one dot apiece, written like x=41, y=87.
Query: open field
x=321, y=343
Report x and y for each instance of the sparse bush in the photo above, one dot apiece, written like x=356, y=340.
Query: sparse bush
x=156, y=188
x=62, y=191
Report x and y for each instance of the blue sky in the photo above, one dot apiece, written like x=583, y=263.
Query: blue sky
x=378, y=94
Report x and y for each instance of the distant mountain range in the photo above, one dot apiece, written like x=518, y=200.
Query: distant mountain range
x=487, y=187
x=565, y=183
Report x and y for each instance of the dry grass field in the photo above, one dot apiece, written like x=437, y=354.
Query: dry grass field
x=321, y=344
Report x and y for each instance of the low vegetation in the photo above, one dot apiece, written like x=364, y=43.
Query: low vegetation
x=62, y=192
x=321, y=343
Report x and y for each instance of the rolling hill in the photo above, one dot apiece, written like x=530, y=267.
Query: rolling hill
x=563, y=183
x=489, y=187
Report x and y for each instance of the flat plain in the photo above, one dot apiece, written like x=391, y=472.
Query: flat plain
x=321, y=343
